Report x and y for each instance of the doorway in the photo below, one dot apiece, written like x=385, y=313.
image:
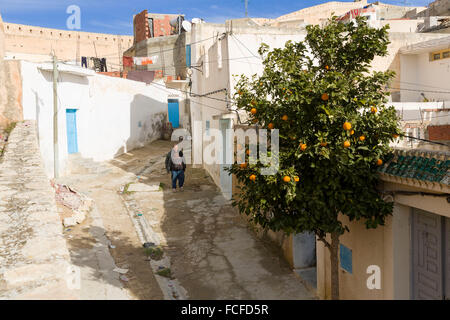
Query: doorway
x=71, y=126
x=430, y=256
x=174, y=112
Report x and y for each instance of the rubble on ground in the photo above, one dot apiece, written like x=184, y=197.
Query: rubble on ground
x=78, y=203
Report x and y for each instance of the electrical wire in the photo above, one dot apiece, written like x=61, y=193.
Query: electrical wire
x=232, y=35
x=218, y=99
x=425, y=140
x=416, y=90
x=419, y=84
x=203, y=104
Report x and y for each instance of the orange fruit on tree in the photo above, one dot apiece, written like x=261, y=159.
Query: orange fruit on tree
x=287, y=179
x=252, y=177
x=379, y=162
x=243, y=165
x=346, y=144
x=352, y=132
x=373, y=110
x=284, y=118
x=325, y=96
x=270, y=126
x=327, y=67
x=347, y=126
x=253, y=111
x=395, y=135
x=323, y=144
x=239, y=92
x=362, y=138
x=303, y=146
x=248, y=152
x=255, y=120
x=253, y=102
x=296, y=179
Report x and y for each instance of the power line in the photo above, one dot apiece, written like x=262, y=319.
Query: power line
x=425, y=140
x=173, y=48
x=223, y=100
x=245, y=47
x=417, y=90
x=420, y=84
x=203, y=104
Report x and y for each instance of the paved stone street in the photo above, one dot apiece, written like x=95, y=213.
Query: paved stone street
x=34, y=260
x=210, y=251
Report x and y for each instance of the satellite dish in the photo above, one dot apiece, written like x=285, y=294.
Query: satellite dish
x=186, y=25
x=174, y=22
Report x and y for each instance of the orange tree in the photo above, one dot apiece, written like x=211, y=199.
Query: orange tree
x=334, y=131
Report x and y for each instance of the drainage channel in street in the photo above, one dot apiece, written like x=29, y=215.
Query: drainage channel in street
x=170, y=287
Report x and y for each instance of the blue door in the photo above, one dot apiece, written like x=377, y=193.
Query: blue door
x=174, y=112
x=71, y=125
x=188, y=55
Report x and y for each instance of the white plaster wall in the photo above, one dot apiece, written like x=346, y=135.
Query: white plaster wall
x=419, y=74
x=114, y=115
x=222, y=59
x=247, y=45
x=401, y=258
x=203, y=37
x=400, y=25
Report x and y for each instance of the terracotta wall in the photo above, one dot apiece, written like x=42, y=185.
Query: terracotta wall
x=141, y=30
x=439, y=133
x=10, y=87
x=68, y=45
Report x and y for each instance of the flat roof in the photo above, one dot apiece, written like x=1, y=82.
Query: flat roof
x=426, y=46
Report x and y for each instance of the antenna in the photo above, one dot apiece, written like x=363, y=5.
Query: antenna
x=246, y=8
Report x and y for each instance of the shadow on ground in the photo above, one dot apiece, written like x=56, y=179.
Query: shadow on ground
x=213, y=252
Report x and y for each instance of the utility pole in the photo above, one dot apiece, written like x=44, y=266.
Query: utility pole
x=55, y=118
x=119, y=40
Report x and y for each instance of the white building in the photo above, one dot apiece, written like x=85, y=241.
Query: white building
x=99, y=116
x=230, y=50
x=424, y=93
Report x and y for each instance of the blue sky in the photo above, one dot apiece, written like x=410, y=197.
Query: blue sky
x=115, y=16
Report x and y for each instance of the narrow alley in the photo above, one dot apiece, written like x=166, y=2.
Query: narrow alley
x=209, y=252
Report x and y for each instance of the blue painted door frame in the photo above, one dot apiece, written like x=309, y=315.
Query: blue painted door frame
x=188, y=55
x=174, y=112
x=71, y=126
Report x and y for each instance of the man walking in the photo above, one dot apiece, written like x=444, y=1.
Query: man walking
x=178, y=166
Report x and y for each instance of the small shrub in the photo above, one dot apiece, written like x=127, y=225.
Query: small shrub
x=166, y=272
x=155, y=253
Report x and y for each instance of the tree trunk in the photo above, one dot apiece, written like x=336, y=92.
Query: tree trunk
x=334, y=250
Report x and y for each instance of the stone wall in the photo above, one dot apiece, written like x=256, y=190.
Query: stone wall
x=320, y=12
x=10, y=87
x=11, y=93
x=68, y=45
x=34, y=260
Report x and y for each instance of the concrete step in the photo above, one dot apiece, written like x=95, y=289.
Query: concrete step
x=79, y=165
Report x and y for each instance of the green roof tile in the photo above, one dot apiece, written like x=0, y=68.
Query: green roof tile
x=424, y=168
